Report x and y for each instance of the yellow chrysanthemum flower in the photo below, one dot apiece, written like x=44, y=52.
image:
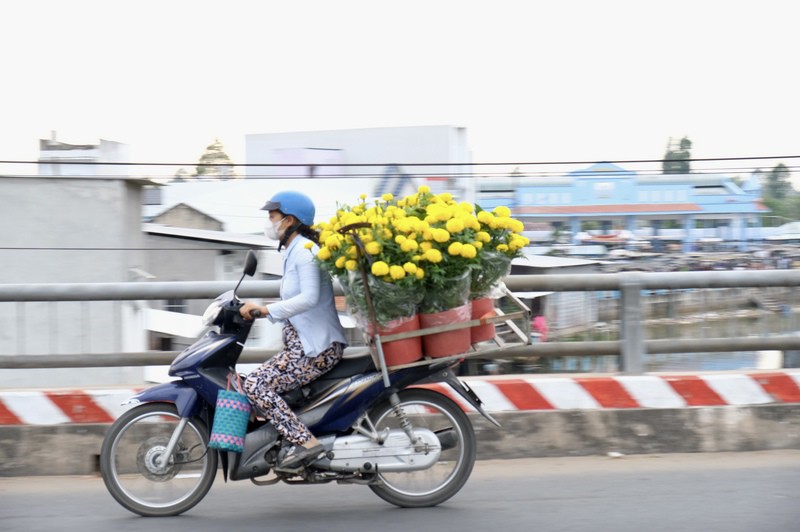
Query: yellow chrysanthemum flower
x=433, y=255
x=502, y=211
x=455, y=248
x=483, y=236
x=441, y=235
x=397, y=272
x=351, y=265
x=455, y=225
x=424, y=189
x=309, y=245
x=443, y=215
x=332, y=242
x=419, y=274
x=380, y=268
x=410, y=268
x=485, y=217
x=468, y=251
x=341, y=261
x=324, y=253
x=409, y=245
x=373, y=248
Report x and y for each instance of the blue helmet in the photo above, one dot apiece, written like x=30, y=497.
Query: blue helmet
x=292, y=203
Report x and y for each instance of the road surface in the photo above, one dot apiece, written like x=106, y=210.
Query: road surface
x=730, y=492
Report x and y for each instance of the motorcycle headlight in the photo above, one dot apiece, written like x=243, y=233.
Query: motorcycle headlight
x=211, y=313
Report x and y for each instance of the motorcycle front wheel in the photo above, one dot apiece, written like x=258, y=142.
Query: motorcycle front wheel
x=131, y=461
x=432, y=486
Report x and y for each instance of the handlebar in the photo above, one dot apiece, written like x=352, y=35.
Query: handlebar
x=255, y=313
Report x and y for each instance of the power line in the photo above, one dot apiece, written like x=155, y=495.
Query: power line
x=383, y=164
x=415, y=175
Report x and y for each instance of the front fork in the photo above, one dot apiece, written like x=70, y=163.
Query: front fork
x=162, y=462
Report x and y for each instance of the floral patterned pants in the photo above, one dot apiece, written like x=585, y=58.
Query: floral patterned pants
x=288, y=370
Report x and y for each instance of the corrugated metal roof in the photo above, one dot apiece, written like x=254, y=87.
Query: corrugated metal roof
x=258, y=241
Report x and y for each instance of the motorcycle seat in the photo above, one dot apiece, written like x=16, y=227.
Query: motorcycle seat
x=349, y=367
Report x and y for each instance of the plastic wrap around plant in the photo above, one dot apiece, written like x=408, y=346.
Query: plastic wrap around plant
x=451, y=293
x=487, y=280
x=392, y=302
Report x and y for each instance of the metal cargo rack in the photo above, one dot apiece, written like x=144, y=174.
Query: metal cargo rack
x=496, y=345
x=518, y=324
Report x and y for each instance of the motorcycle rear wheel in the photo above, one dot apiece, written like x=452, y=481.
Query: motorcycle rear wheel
x=129, y=465
x=432, y=486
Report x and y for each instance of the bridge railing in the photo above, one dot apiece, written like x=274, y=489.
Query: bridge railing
x=631, y=345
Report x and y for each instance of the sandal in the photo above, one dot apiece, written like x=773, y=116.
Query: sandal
x=299, y=454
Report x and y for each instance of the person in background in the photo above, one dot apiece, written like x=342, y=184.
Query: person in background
x=313, y=337
x=539, y=324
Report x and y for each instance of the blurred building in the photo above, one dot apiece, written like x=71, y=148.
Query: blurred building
x=388, y=160
x=620, y=200
x=61, y=159
x=69, y=229
x=183, y=215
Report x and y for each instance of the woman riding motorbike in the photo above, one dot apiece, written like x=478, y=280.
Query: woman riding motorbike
x=313, y=337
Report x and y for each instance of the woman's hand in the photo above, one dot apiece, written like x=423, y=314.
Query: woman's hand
x=249, y=307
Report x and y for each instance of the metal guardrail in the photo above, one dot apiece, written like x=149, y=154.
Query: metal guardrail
x=631, y=347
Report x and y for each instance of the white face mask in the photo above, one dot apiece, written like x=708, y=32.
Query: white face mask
x=271, y=229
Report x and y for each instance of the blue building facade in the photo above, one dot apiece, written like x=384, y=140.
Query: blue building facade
x=620, y=200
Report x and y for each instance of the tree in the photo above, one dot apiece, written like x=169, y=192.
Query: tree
x=778, y=185
x=215, y=163
x=676, y=160
x=181, y=175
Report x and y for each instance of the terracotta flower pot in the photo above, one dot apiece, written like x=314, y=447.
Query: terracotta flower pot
x=402, y=351
x=446, y=343
x=482, y=308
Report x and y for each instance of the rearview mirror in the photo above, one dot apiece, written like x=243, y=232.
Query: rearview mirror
x=250, y=263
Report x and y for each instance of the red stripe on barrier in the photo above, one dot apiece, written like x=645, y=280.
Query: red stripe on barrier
x=522, y=395
x=445, y=390
x=7, y=417
x=608, y=392
x=695, y=391
x=779, y=385
x=79, y=407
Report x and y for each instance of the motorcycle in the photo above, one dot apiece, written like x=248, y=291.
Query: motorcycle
x=380, y=427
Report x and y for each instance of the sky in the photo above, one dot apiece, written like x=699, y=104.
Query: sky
x=530, y=80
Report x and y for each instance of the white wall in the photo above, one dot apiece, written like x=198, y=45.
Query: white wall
x=68, y=230
x=379, y=146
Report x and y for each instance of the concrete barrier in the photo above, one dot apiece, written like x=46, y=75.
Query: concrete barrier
x=59, y=432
